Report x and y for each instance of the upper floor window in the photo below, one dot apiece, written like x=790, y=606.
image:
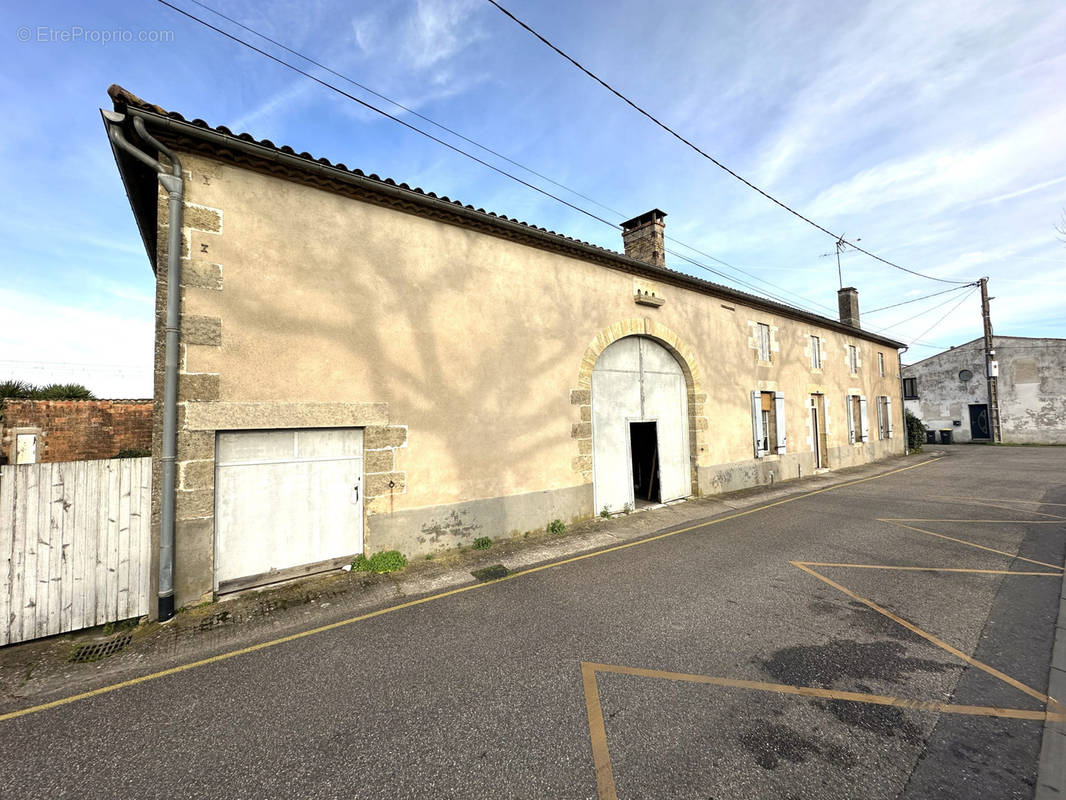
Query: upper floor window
x=881, y=364
x=816, y=353
x=764, y=341
x=853, y=359
x=910, y=388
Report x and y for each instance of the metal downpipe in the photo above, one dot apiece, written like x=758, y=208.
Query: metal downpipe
x=171, y=181
x=903, y=403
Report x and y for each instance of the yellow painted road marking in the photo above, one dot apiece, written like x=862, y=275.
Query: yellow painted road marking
x=831, y=694
x=928, y=569
x=972, y=544
x=996, y=521
x=340, y=624
x=1043, y=698
x=997, y=500
x=601, y=755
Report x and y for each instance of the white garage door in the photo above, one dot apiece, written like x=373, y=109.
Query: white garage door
x=285, y=499
x=636, y=379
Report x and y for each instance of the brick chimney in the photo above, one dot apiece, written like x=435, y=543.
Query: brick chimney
x=645, y=239
x=848, y=303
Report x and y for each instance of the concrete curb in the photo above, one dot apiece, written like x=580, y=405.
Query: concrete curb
x=1051, y=772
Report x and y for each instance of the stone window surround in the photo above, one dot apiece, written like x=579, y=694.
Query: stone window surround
x=581, y=395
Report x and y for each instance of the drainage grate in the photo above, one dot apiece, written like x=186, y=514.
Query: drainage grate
x=493, y=573
x=97, y=650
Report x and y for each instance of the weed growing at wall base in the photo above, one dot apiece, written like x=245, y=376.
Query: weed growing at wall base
x=556, y=526
x=385, y=561
x=482, y=543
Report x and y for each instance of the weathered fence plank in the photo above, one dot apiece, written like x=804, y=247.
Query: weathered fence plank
x=74, y=545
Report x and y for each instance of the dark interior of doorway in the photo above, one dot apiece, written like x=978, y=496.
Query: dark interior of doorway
x=644, y=442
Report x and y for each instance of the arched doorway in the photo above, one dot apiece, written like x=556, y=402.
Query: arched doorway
x=640, y=436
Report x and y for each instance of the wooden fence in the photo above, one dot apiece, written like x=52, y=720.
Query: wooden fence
x=74, y=545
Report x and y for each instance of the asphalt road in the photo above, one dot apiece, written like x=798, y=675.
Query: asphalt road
x=660, y=670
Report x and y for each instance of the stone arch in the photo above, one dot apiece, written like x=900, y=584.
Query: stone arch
x=581, y=394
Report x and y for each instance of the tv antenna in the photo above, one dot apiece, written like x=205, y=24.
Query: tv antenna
x=841, y=246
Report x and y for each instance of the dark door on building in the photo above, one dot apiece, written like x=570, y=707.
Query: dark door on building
x=979, y=427
x=643, y=439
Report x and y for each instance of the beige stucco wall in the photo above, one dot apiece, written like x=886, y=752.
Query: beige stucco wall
x=460, y=349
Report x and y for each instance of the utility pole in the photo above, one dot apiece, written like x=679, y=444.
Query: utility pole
x=991, y=365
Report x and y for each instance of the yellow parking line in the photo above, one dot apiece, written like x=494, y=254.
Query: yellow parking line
x=1043, y=698
x=997, y=500
x=322, y=628
x=601, y=756
x=998, y=522
x=972, y=544
x=830, y=694
x=928, y=569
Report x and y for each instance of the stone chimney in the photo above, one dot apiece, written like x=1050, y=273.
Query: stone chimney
x=645, y=238
x=848, y=303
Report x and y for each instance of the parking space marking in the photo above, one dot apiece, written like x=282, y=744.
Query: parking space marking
x=972, y=544
x=931, y=569
x=1054, y=711
x=986, y=500
x=1057, y=521
x=1043, y=698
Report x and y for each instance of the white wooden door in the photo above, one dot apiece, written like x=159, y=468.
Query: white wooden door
x=286, y=499
x=636, y=379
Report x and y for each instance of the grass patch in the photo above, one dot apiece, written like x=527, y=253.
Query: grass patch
x=381, y=563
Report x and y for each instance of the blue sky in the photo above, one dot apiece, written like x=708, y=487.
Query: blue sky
x=933, y=131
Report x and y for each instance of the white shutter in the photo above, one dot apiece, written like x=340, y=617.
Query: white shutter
x=779, y=413
x=880, y=420
x=851, y=419
x=756, y=423
x=888, y=413
x=865, y=426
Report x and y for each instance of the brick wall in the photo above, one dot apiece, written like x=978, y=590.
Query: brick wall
x=73, y=430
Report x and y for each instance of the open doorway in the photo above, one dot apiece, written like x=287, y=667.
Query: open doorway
x=644, y=444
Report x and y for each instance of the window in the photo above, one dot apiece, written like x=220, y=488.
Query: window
x=768, y=423
x=764, y=342
x=884, y=417
x=853, y=359
x=910, y=388
x=858, y=427
x=816, y=353
x=881, y=364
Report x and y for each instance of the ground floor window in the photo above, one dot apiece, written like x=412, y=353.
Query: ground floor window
x=858, y=426
x=768, y=423
x=884, y=417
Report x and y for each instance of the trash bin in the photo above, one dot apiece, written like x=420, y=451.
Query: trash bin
x=930, y=437
x=945, y=435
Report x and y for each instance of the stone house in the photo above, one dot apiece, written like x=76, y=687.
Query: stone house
x=41, y=431
x=949, y=391
x=366, y=366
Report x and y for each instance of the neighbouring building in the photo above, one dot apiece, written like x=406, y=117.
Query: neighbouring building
x=39, y=431
x=368, y=366
x=949, y=391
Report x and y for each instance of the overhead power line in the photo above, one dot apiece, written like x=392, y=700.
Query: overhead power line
x=950, y=312
x=452, y=147
x=709, y=157
x=383, y=113
x=408, y=109
x=916, y=299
